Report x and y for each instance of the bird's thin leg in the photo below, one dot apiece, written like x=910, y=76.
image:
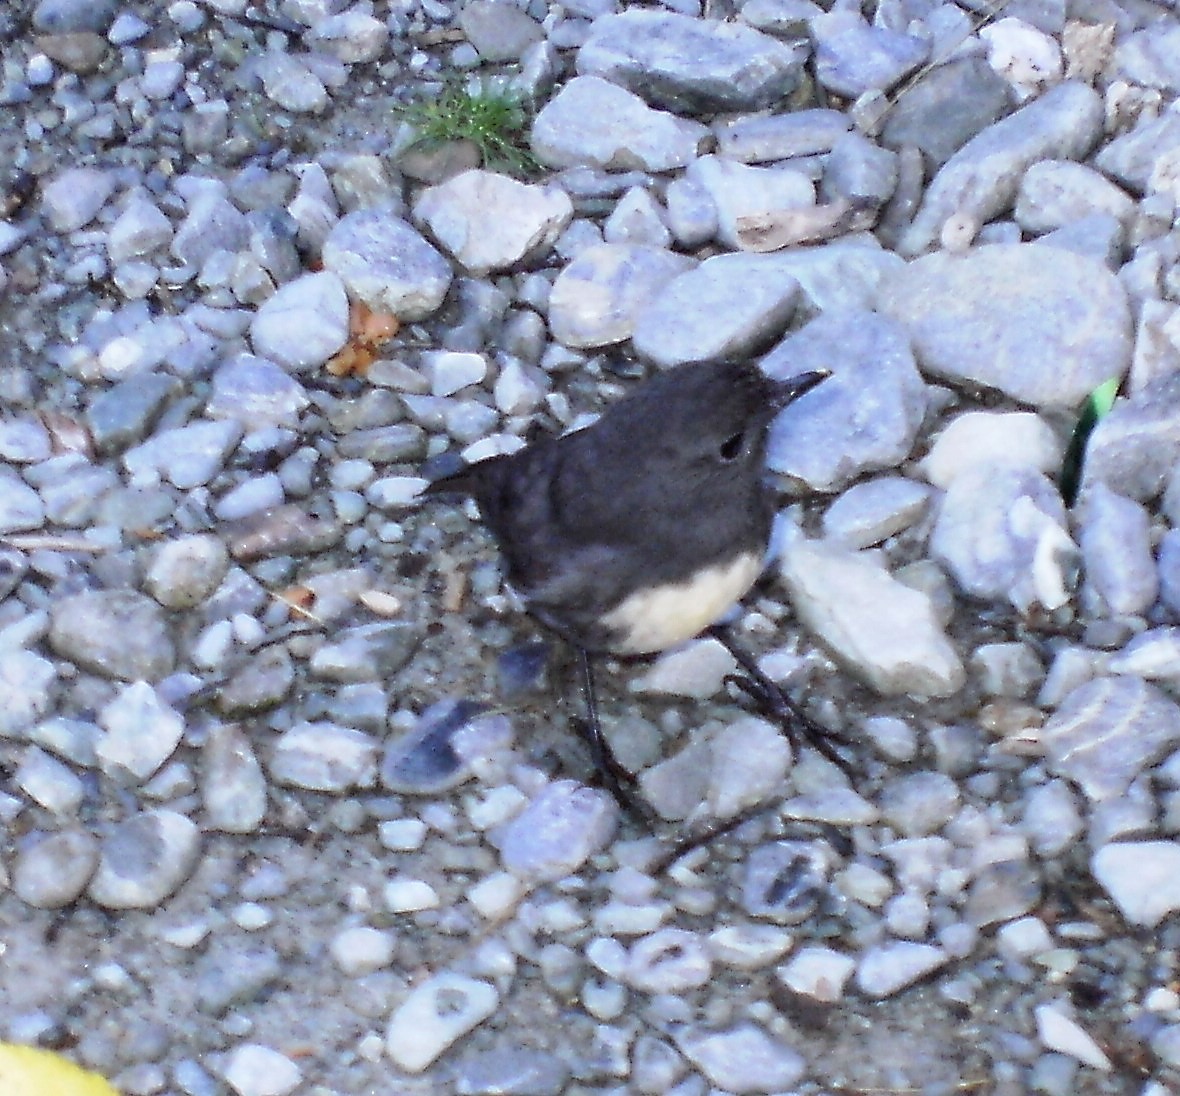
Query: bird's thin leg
x=619, y=781
x=772, y=699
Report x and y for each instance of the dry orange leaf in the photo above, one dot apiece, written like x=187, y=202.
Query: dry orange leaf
x=367, y=330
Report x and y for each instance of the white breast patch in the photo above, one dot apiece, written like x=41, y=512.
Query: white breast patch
x=654, y=619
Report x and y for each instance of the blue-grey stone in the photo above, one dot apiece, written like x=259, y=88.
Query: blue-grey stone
x=117, y=634
x=946, y=108
x=1115, y=538
x=980, y=180
x=690, y=65
x=256, y=392
x=1041, y=325
x=725, y=308
x=852, y=56
x=1001, y=532
x=386, y=263
x=1108, y=731
x=863, y=418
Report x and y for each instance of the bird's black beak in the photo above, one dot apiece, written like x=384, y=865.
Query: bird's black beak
x=792, y=388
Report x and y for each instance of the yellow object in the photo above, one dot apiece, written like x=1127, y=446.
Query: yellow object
x=27, y=1071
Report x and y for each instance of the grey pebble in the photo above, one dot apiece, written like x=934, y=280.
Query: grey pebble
x=744, y=1058
x=186, y=456
x=290, y=529
x=865, y=417
x=386, y=263
x=145, y=859
x=212, y=223
x=304, y=323
x=1115, y=539
x=1131, y=157
x=758, y=139
x=73, y=16
x=1003, y=892
x=946, y=108
x=993, y=524
x=140, y=229
x=746, y=196
x=14, y=566
x=883, y=970
x=511, y=1070
x=1007, y=669
x=49, y=782
x=256, y=392
x=121, y=416
x=1107, y=731
x=1051, y=818
x=352, y=37
x=142, y=732
x=28, y=685
x=591, y=122
x=1054, y=325
x=723, y=308
x=597, y=298
x=291, y=84
x=324, y=757
x=873, y=510
x=859, y=172
x=24, y=441
x=1057, y=193
x=185, y=572
x=1141, y=877
x=53, y=870
x=367, y=652
x=557, y=832
x=528, y=219
x=21, y=507
x=435, y=1014
x=981, y=178
x=885, y=631
x=919, y=803
x=785, y=881
x=117, y=634
x=852, y=56
x=233, y=784
x=686, y=65
x=636, y=219
x=1149, y=58
x=1135, y=447
x=499, y=32
x=73, y=198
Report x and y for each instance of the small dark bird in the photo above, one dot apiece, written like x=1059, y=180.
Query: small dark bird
x=642, y=530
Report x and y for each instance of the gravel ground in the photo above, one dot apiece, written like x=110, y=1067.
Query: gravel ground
x=290, y=793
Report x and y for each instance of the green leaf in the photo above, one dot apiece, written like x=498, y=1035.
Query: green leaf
x=1097, y=406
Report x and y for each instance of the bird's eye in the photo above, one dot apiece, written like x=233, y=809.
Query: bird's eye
x=731, y=448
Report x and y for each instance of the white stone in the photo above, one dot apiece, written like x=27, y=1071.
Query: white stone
x=750, y=762
x=885, y=631
x=409, y=896
x=816, y=972
x=1063, y=1034
x=489, y=221
x=435, y=1014
x=256, y=1070
x=981, y=437
x=362, y=949
x=142, y=732
x=1143, y=878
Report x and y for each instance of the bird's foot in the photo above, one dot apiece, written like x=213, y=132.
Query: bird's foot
x=771, y=700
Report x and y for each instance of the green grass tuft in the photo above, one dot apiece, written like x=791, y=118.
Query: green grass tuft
x=493, y=119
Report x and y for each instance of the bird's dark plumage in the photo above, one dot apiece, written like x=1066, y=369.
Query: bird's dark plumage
x=643, y=529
